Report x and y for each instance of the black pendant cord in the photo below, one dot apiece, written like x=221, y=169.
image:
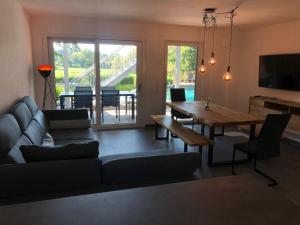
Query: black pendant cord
x=213, y=39
x=203, y=43
x=230, y=41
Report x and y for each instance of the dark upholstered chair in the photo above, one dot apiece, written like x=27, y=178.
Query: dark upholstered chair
x=268, y=143
x=83, y=98
x=111, y=98
x=178, y=95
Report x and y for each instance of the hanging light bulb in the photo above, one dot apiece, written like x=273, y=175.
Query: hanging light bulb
x=212, y=61
x=202, y=67
x=227, y=76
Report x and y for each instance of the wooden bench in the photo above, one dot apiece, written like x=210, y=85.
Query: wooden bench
x=187, y=135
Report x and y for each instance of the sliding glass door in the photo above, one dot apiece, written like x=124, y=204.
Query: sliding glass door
x=102, y=76
x=118, y=83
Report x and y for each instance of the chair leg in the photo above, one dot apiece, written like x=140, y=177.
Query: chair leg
x=232, y=163
x=274, y=182
x=185, y=147
x=200, y=148
x=91, y=112
x=202, y=128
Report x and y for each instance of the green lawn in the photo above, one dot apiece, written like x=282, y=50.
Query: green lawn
x=127, y=84
x=73, y=72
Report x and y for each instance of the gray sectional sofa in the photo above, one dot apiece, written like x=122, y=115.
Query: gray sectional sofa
x=25, y=124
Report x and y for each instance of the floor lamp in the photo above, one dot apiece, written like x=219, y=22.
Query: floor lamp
x=46, y=71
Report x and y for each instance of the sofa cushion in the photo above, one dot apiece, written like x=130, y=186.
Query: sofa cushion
x=35, y=133
x=154, y=165
x=22, y=114
x=31, y=104
x=15, y=155
x=41, y=119
x=36, y=153
x=72, y=134
x=9, y=133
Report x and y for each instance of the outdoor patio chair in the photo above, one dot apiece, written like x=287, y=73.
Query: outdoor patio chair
x=83, y=88
x=110, y=98
x=84, y=99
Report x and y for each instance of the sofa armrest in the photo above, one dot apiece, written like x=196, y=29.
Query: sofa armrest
x=67, y=119
x=51, y=176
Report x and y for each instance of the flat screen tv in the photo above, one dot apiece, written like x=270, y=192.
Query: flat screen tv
x=280, y=71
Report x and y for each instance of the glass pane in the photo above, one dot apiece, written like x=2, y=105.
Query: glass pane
x=75, y=75
x=118, y=76
x=181, y=70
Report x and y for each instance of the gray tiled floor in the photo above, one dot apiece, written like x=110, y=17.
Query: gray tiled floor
x=286, y=169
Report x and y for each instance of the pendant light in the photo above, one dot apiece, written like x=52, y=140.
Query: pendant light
x=202, y=68
x=212, y=60
x=228, y=75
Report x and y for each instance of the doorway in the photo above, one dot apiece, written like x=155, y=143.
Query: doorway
x=181, y=69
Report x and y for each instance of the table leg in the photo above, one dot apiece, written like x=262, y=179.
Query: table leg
x=224, y=163
x=252, y=132
x=132, y=106
x=211, y=147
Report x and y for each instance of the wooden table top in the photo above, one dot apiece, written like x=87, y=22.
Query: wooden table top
x=231, y=200
x=217, y=115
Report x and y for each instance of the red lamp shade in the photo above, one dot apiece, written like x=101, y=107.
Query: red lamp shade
x=45, y=70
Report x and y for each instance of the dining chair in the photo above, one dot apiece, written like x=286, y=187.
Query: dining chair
x=84, y=99
x=110, y=98
x=267, y=145
x=178, y=95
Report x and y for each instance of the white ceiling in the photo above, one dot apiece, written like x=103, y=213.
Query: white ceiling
x=181, y=12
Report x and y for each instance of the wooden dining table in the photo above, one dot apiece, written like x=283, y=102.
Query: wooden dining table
x=215, y=116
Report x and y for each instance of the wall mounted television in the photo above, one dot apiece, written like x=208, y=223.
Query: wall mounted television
x=280, y=71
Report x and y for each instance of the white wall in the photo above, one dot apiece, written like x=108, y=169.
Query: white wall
x=15, y=54
x=153, y=37
x=275, y=39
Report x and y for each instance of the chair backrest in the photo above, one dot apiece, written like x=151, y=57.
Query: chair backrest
x=83, y=98
x=177, y=94
x=83, y=88
x=110, y=97
x=268, y=142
